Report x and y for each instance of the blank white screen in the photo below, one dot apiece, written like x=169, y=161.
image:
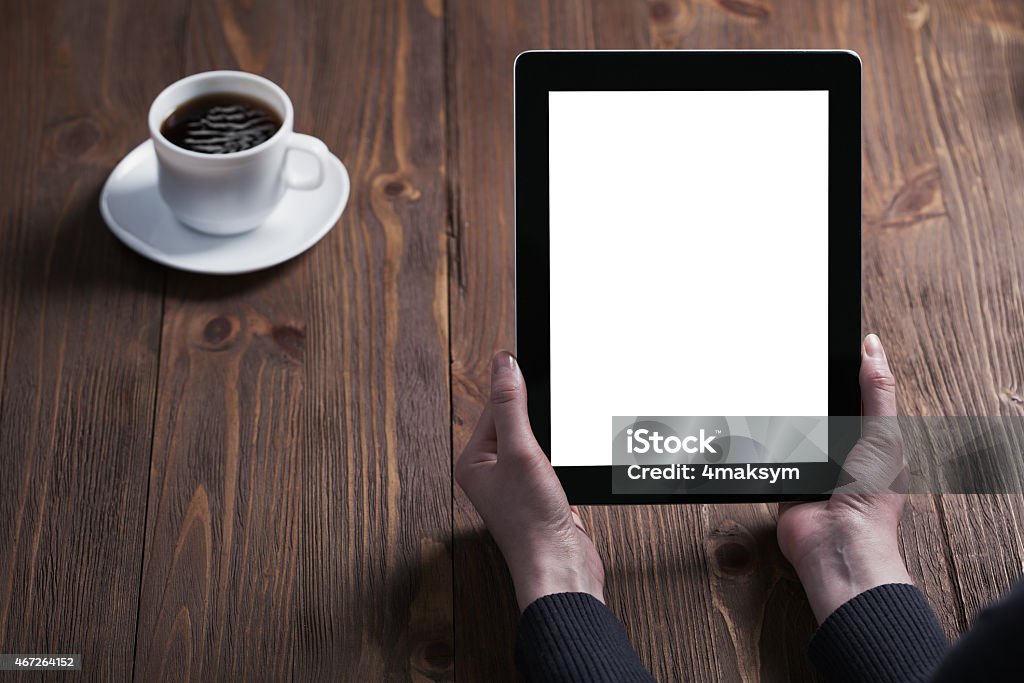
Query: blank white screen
x=689, y=259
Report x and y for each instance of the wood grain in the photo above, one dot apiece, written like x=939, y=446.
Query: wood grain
x=969, y=261
x=299, y=499
x=79, y=336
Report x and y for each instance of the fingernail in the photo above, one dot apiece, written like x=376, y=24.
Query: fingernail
x=873, y=347
x=504, y=362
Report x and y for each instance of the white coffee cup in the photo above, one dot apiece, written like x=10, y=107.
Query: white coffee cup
x=227, y=194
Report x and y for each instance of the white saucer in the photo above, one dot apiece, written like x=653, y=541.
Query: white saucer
x=132, y=207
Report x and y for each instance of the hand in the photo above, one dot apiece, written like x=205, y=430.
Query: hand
x=848, y=544
x=512, y=485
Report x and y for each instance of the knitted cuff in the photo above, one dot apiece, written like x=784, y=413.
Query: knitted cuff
x=888, y=633
x=574, y=637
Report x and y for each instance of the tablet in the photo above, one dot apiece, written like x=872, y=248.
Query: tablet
x=688, y=269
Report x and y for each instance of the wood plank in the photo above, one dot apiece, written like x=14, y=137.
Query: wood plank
x=299, y=501
x=969, y=64
x=917, y=285
x=481, y=301
x=80, y=331
x=483, y=40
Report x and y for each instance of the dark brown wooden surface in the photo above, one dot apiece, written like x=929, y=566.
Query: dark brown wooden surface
x=250, y=477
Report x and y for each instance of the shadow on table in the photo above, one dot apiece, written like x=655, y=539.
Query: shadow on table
x=753, y=607
x=738, y=594
x=365, y=619
x=64, y=245
x=485, y=610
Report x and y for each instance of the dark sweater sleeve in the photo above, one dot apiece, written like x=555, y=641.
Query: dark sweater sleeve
x=888, y=633
x=990, y=651
x=574, y=637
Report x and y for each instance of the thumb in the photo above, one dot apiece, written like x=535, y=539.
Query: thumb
x=877, y=385
x=881, y=430
x=508, y=405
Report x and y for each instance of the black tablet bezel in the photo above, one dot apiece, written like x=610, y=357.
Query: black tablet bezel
x=539, y=72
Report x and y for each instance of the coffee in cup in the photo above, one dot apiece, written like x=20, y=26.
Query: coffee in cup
x=221, y=123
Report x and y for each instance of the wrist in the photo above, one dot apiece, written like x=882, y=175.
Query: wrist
x=843, y=568
x=547, y=578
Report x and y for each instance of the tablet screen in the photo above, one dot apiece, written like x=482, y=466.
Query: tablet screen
x=688, y=259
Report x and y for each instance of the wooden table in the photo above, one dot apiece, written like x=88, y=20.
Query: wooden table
x=250, y=477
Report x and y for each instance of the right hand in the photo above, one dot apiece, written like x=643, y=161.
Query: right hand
x=849, y=543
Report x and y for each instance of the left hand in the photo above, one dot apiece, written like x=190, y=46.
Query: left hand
x=512, y=485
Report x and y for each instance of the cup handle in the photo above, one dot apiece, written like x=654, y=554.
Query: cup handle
x=314, y=147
